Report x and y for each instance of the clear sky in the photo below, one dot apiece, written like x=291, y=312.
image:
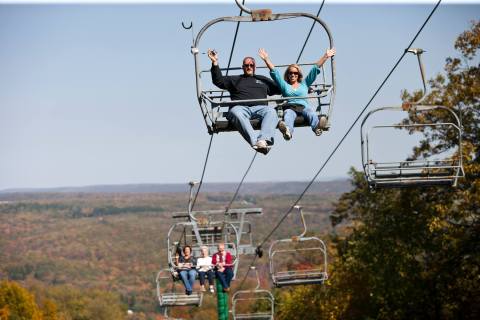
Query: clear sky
x=105, y=94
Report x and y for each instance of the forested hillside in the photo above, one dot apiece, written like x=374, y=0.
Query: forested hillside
x=76, y=249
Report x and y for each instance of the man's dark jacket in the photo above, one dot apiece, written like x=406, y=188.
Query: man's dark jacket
x=244, y=87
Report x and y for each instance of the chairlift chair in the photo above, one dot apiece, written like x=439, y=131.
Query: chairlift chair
x=314, y=273
x=227, y=231
x=249, y=297
x=416, y=172
x=170, y=297
x=215, y=103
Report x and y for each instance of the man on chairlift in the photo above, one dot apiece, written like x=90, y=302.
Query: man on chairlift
x=249, y=86
x=223, y=262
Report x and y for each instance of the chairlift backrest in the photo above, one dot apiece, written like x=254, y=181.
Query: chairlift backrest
x=214, y=103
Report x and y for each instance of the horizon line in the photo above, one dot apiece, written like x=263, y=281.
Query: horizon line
x=15, y=189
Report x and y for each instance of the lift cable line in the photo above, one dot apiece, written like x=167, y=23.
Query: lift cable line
x=233, y=44
x=345, y=135
x=309, y=33
x=203, y=172
x=351, y=126
x=240, y=184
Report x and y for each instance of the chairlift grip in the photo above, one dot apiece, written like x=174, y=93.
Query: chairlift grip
x=259, y=251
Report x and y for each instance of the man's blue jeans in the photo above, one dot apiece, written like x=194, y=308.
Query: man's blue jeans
x=310, y=116
x=225, y=277
x=240, y=117
x=188, y=278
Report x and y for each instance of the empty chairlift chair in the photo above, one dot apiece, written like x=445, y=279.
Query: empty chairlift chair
x=253, y=304
x=298, y=260
x=214, y=103
x=413, y=172
x=167, y=293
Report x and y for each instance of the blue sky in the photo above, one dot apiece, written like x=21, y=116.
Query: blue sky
x=105, y=94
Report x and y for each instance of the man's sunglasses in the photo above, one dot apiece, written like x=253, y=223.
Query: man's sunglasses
x=251, y=65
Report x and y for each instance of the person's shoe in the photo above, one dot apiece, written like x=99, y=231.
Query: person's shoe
x=261, y=146
x=287, y=135
x=188, y=292
x=202, y=288
x=211, y=289
x=226, y=289
x=322, y=123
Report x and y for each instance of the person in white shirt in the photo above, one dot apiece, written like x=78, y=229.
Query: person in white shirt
x=205, y=268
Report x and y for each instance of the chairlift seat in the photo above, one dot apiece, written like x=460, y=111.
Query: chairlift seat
x=180, y=299
x=409, y=183
x=259, y=316
x=395, y=175
x=223, y=125
x=299, y=277
x=411, y=173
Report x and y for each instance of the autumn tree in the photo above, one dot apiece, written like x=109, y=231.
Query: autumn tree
x=17, y=303
x=412, y=253
x=85, y=304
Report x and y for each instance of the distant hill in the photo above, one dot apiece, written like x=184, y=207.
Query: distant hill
x=334, y=186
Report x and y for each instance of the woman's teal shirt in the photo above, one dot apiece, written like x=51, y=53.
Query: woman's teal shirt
x=301, y=91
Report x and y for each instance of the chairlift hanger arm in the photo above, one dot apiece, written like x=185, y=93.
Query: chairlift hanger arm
x=418, y=52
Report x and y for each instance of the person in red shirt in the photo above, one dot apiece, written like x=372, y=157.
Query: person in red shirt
x=222, y=260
